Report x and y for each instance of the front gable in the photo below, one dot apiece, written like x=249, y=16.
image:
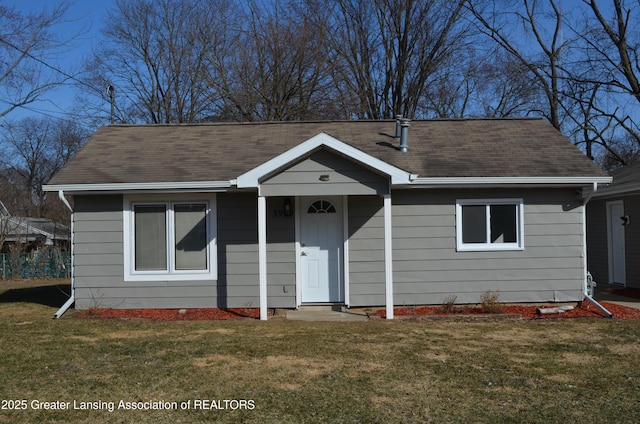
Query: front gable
x=341, y=152
x=324, y=173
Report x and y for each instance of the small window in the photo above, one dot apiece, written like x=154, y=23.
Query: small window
x=321, y=206
x=489, y=224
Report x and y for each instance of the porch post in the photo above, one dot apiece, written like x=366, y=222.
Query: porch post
x=262, y=255
x=388, y=257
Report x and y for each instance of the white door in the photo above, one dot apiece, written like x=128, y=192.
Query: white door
x=321, y=250
x=615, y=228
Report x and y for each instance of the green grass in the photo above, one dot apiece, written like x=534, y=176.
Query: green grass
x=582, y=370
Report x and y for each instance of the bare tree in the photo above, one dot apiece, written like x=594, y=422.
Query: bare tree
x=484, y=82
x=277, y=70
x=27, y=43
x=155, y=56
x=37, y=149
x=542, y=26
x=605, y=80
x=384, y=53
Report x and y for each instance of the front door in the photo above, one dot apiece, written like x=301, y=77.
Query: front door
x=615, y=227
x=321, y=244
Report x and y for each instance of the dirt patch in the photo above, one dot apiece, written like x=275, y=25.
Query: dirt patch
x=217, y=360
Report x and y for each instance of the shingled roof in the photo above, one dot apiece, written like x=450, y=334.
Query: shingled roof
x=223, y=151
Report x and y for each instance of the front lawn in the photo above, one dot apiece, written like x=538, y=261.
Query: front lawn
x=570, y=370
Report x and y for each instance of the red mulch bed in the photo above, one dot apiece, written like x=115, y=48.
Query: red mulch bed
x=190, y=314
x=526, y=311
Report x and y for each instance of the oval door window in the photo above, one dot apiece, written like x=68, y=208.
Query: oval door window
x=321, y=206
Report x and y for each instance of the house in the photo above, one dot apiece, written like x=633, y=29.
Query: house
x=613, y=235
x=32, y=233
x=359, y=213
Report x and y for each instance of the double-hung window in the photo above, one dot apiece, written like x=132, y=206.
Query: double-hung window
x=489, y=224
x=169, y=239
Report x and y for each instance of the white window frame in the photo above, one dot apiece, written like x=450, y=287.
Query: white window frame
x=171, y=274
x=488, y=246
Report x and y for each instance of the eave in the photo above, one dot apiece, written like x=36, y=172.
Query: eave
x=482, y=182
x=157, y=187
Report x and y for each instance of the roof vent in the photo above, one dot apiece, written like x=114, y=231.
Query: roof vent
x=404, y=134
x=398, y=119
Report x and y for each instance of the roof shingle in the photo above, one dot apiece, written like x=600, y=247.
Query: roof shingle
x=223, y=151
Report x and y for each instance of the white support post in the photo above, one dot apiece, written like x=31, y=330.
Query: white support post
x=262, y=255
x=388, y=257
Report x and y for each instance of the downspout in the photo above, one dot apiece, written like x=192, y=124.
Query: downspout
x=71, y=299
x=585, y=290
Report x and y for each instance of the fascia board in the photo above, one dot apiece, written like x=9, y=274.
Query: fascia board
x=119, y=187
x=507, y=181
x=252, y=177
x=617, y=192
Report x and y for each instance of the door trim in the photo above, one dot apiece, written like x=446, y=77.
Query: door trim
x=344, y=267
x=609, y=205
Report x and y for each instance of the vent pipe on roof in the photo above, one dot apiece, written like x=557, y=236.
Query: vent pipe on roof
x=404, y=134
x=398, y=119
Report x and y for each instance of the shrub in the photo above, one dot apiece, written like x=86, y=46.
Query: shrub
x=490, y=302
x=448, y=304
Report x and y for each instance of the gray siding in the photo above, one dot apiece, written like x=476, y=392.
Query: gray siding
x=237, y=251
x=426, y=265
x=597, y=245
x=99, y=267
x=98, y=249
x=632, y=240
x=427, y=268
x=366, y=251
x=345, y=177
x=281, y=255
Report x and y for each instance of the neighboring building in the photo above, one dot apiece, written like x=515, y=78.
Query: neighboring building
x=32, y=234
x=277, y=215
x=613, y=230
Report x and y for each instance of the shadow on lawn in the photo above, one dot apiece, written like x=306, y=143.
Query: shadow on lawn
x=48, y=295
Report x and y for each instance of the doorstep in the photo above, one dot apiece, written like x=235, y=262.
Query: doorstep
x=325, y=313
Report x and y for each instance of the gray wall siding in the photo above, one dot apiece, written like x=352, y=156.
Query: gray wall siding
x=345, y=177
x=427, y=268
x=98, y=249
x=237, y=251
x=366, y=251
x=597, y=245
x=598, y=242
x=99, y=268
x=632, y=240
x=281, y=255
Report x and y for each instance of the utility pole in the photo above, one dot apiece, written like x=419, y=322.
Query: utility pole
x=111, y=91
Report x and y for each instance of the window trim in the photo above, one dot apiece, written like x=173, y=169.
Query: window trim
x=488, y=246
x=171, y=274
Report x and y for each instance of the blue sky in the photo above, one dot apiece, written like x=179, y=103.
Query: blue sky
x=85, y=17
